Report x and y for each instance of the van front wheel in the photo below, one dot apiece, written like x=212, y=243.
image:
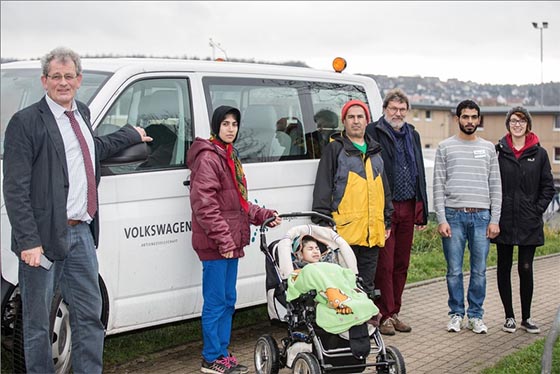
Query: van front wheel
x=60, y=338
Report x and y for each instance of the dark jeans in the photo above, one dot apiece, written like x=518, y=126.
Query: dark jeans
x=77, y=276
x=394, y=258
x=525, y=271
x=366, y=258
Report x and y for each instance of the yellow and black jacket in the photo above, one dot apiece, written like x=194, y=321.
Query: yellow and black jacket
x=352, y=189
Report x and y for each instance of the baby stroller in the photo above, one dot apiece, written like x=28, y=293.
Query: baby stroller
x=307, y=348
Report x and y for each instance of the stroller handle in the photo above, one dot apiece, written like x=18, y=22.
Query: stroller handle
x=311, y=214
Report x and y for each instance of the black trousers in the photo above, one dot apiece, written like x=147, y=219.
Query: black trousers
x=367, y=265
x=525, y=270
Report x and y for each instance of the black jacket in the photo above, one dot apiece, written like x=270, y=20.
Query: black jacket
x=36, y=177
x=527, y=189
x=380, y=134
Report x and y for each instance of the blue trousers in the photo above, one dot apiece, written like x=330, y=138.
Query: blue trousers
x=77, y=276
x=471, y=228
x=219, y=278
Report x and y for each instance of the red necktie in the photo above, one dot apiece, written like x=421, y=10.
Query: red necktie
x=90, y=175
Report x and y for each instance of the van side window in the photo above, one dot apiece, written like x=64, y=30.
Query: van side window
x=328, y=100
x=162, y=108
x=278, y=116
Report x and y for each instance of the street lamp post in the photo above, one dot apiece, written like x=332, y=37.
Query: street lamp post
x=541, y=26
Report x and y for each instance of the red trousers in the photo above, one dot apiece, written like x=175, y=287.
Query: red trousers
x=392, y=264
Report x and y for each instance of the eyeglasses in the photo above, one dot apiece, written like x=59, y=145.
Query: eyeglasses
x=58, y=77
x=517, y=122
x=394, y=110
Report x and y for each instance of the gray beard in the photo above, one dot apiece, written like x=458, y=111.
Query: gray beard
x=397, y=127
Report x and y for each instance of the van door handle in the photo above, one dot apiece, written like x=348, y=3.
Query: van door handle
x=186, y=182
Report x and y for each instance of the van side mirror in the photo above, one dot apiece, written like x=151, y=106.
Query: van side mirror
x=134, y=153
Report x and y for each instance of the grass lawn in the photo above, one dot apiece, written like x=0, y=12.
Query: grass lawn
x=526, y=361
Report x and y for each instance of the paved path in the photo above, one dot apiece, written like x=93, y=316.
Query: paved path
x=429, y=348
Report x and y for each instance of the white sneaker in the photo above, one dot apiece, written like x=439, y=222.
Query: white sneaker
x=477, y=326
x=454, y=324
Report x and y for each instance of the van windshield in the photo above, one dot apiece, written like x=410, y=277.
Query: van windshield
x=22, y=87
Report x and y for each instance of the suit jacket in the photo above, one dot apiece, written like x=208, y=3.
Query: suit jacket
x=36, y=177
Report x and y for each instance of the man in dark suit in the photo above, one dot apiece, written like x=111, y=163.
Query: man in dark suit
x=51, y=172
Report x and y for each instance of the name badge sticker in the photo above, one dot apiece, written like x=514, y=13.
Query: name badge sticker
x=479, y=153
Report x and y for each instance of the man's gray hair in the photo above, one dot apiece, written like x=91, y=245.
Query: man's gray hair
x=62, y=54
x=398, y=95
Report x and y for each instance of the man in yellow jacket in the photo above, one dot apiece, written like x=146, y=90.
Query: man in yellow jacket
x=351, y=187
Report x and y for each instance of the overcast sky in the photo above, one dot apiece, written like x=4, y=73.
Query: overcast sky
x=485, y=42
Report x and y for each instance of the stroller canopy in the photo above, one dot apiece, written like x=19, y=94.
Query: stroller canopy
x=325, y=235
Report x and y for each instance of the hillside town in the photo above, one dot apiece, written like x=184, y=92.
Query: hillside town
x=432, y=90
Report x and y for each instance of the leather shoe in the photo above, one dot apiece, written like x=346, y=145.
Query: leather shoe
x=400, y=325
x=386, y=327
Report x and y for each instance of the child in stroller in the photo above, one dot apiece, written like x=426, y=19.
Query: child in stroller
x=341, y=304
x=320, y=337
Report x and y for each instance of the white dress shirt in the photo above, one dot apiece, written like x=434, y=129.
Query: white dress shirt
x=76, y=205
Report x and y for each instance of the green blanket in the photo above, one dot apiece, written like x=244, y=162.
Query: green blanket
x=341, y=304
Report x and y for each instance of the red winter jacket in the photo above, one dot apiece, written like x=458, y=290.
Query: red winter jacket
x=219, y=223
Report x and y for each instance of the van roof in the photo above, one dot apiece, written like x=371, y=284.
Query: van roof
x=134, y=66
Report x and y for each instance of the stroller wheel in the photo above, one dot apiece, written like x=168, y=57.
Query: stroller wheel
x=397, y=361
x=306, y=363
x=266, y=356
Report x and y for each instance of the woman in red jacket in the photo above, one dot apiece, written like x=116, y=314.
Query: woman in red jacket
x=221, y=215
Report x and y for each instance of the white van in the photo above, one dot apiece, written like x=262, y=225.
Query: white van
x=148, y=273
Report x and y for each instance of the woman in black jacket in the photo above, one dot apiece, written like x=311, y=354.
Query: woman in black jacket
x=527, y=189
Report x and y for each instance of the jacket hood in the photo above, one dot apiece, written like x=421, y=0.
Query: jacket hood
x=532, y=142
x=202, y=145
x=372, y=146
x=219, y=115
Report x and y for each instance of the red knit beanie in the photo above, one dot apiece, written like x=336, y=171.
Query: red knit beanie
x=352, y=103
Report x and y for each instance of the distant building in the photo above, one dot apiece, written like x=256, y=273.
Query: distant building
x=435, y=123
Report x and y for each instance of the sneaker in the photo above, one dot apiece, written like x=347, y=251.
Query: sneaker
x=530, y=326
x=386, y=327
x=400, y=325
x=454, y=324
x=510, y=325
x=477, y=326
x=240, y=369
x=220, y=366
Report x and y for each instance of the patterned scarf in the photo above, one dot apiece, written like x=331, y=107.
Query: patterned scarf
x=405, y=134
x=236, y=169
